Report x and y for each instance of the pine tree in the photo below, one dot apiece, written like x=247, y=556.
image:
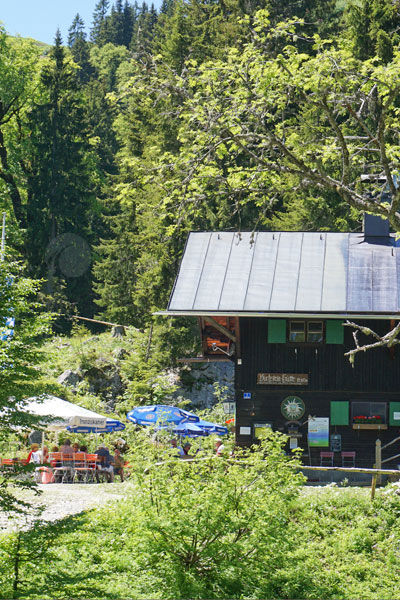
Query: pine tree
x=76, y=31
x=144, y=30
x=178, y=38
x=79, y=48
x=114, y=25
x=99, y=17
x=166, y=6
x=61, y=180
x=373, y=27
x=129, y=19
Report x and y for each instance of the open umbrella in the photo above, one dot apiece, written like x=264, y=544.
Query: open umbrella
x=111, y=425
x=179, y=421
x=72, y=417
x=212, y=427
x=191, y=430
x=160, y=414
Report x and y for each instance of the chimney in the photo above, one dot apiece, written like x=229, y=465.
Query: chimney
x=375, y=226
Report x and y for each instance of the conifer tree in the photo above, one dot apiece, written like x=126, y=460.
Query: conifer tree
x=61, y=178
x=144, y=29
x=79, y=48
x=166, y=6
x=373, y=28
x=178, y=38
x=76, y=31
x=114, y=25
x=97, y=33
x=129, y=18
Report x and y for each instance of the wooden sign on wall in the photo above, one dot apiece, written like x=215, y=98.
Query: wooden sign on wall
x=282, y=379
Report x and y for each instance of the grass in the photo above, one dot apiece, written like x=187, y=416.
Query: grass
x=343, y=546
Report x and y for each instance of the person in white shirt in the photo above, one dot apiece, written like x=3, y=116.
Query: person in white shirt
x=219, y=447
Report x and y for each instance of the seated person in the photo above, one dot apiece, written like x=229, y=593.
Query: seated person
x=186, y=450
x=106, y=462
x=121, y=444
x=45, y=457
x=119, y=463
x=219, y=447
x=66, y=449
x=44, y=474
x=33, y=454
x=67, y=460
x=174, y=446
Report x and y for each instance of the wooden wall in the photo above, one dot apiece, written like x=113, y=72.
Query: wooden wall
x=375, y=377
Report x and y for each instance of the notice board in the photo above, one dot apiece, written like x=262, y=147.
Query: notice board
x=318, y=432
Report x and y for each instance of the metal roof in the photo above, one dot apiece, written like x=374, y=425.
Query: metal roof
x=288, y=273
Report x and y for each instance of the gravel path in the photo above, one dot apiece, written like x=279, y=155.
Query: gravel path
x=61, y=500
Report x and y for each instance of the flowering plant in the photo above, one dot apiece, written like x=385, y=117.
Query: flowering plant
x=367, y=419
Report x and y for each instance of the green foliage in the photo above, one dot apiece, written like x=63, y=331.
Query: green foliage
x=203, y=530
x=147, y=369
x=80, y=48
x=254, y=137
x=241, y=527
x=97, y=33
x=19, y=364
x=373, y=28
x=143, y=359
x=208, y=115
x=62, y=184
x=18, y=88
x=106, y=61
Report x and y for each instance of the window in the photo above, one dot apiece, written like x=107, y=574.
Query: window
x=315, y=331
x=368, y=413
x=306, y=331
x=297, y=331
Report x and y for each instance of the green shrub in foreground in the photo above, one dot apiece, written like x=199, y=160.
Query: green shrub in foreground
x=209, y=529
x=215, y=529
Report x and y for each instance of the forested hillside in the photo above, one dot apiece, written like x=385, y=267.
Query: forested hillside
x=140, y=127
x=209, y=114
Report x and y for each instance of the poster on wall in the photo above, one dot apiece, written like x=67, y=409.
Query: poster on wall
x=259, y=429
x=318, y=431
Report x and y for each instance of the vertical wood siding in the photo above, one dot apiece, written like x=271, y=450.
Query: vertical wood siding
x=375, y=377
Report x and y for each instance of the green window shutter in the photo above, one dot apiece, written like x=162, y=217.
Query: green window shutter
x=334, y=332
x=340, y=412
x=394, y=407
x=276, y=331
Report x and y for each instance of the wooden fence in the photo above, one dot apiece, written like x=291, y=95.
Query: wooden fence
x=375, y=473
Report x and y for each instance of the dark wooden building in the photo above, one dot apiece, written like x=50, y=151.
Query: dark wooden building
x=274, y=303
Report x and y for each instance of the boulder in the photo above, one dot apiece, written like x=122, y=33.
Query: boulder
x=69, y=378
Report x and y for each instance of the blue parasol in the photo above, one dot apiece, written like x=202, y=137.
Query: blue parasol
x=160, y=414
x=212, y=427
x=163, y=416
x=191, y=430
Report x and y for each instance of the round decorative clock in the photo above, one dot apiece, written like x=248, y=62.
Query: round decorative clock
x=293, y=408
